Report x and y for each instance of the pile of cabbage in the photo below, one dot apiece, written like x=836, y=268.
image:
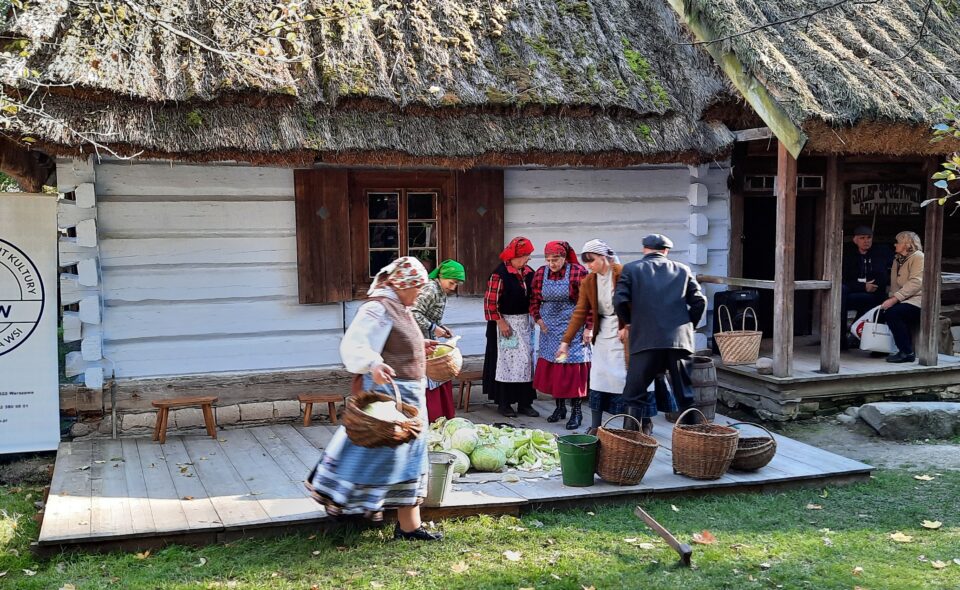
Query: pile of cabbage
x=488, y=448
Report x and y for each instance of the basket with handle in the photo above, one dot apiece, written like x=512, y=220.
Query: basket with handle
x=738, y=347
x=624, y=455
x=446, y=366
x=753, y=452
x=368, y=431
x=704, y=450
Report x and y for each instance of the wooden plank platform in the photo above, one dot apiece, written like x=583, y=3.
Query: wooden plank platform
x=136, y=494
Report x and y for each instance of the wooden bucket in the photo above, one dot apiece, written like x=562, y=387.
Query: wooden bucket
x=703, y=376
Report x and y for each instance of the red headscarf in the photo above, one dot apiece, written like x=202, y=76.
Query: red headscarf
x=561, y=248
x=517, y=248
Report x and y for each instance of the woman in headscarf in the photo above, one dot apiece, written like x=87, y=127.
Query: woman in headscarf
x=428, y=310
x=608, y=371
x=902, y=308
x=382, y=345
x=554, y=294
x=508, y=361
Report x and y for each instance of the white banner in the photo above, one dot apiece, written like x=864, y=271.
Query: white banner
x=29, y=382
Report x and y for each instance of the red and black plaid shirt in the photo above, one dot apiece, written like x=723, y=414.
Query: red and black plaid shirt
x=491, y=297
x=577, y=274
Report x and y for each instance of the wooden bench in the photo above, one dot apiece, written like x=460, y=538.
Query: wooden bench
x=466, y=380
x=308, y=399
x=163, y=414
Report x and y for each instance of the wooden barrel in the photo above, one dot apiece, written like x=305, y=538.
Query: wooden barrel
x=703, y=375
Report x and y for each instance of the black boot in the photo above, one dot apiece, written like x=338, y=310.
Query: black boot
x=560, y=413
x=576, y=415
x=419, y=534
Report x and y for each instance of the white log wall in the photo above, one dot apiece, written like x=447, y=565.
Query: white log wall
x=198, y=262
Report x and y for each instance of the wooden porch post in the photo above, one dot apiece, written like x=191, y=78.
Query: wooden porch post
x=927, y=347
x=784, y=259
x=831, y=324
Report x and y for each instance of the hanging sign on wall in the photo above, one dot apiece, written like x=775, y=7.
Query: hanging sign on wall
x=885, y=199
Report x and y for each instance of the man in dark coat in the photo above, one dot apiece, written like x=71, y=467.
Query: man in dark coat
x=866, y=276
x=661, y=302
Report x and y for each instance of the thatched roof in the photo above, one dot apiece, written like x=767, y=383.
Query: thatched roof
x=442, y=82
x=858, y=77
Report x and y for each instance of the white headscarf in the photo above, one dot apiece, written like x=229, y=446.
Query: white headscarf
x=600, y=247
x=402, y=273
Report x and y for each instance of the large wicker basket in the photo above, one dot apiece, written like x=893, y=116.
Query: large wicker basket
x=624, y=455
x=446, y=367
x=703, y=451
x=753, y=452
x=367, y=431
x=738, y=347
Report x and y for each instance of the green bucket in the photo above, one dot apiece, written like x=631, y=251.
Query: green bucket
x=578, y=459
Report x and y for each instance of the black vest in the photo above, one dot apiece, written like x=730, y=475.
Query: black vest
x=514, y=299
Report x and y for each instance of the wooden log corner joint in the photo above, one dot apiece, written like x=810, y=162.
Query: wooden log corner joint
x=163, y=414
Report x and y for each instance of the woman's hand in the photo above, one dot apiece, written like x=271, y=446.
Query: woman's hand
x=563, y=350
x=382, y=373
x=441, y=332
x=429, y=346
x=504, y=327
x=887, y=304
x=587, y=337
x=543, y=326
x=624, y=334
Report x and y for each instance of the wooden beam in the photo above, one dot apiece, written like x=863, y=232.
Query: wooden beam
x=784, y=259
x=928, y=349
x=831, y=324
x=763, y=284
x=752, y=89
x=753, y=134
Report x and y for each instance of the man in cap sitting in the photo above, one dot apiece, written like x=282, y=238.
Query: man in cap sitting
x=866, y=276
x=661, y=302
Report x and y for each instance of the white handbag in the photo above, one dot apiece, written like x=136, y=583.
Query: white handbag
x=877, y=337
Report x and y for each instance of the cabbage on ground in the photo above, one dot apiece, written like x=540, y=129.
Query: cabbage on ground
x=525, y=449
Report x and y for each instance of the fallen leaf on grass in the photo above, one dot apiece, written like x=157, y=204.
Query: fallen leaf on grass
x=931, y=524
x=939, y=565
x=825, y=494
x=512, y=555
x=376, y=584
x=857, y=570
x=535, y=524
x=591, y=513
x=765, y=566
x=956, y=560
x=459, y=567
x=2, y=574
x=923, y=477
x=412, y=573
x=519, y=529
x=646, y=546
x=68, y=587
x=704, y=538
x=587, y=587
x=203, y=562
x=900, y=537
x=674, y=508
x=143, y=555
x=29, y=573
x=555, y=577
x=315, y=553
x=827, y=542
x=814, y=507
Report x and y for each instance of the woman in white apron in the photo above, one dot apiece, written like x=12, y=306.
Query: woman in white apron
x=508, y=361
x=608, y=371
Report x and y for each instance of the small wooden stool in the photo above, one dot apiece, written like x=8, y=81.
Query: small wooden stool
x=308, y=399
x=466, y=384
x=163, y=414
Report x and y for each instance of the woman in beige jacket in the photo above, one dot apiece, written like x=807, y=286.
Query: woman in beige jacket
x=902, y=309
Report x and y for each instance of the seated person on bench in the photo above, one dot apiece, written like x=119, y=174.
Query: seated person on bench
x=866, y=276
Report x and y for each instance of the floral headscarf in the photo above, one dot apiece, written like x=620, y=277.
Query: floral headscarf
x=517, y=248
x=402, y=273
x=560, y=248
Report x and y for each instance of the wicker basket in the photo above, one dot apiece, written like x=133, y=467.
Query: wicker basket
x=738, y=347
x=624, y=455
x=446, y=367
x=753, y=452
x=367, y=431
x=703, y=451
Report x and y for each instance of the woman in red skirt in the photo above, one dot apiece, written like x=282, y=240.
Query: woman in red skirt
x=428, y=311
x=556, y=288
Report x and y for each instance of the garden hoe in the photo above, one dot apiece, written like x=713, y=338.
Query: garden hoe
x=683, y=549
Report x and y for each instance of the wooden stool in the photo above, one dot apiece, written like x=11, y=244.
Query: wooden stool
x=308, y=399
x=466, y=384
x=163, y=414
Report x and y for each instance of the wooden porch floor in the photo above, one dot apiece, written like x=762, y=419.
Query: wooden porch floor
x=134, y=493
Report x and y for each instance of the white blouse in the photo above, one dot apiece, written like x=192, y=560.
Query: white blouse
x=365, y=338
x=605, y=293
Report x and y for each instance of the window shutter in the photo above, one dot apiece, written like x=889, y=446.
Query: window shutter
x=479, y=225
x=323, y=242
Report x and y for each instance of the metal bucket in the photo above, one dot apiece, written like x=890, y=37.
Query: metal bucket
x=439, y=477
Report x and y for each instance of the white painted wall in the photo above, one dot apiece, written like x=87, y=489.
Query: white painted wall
x=199, y=262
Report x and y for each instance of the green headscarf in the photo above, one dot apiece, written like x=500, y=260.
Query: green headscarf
x=449, y=269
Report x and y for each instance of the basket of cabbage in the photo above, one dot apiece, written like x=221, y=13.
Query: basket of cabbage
x=374, y=419
x=445, y=362
x=482, y=447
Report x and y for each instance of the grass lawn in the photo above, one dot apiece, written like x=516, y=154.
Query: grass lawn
x=762, y=541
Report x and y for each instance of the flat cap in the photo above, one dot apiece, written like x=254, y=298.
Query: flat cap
x=657, y=242
x=862, y=230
